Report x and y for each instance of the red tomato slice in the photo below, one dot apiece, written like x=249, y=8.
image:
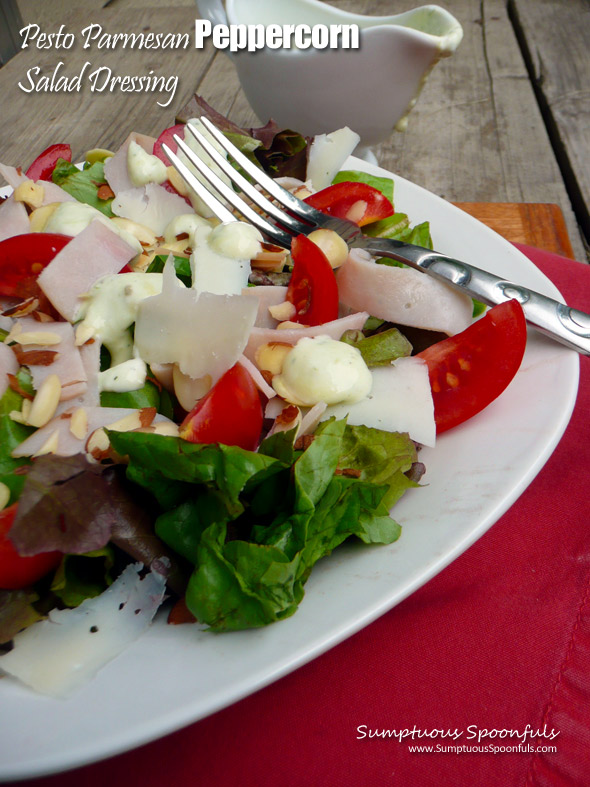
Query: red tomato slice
x=16, y=571
x=23, y=257
x=231, y=413
x=348, y=199
x=312, y=288
x=471, y=369
x=167, y=137
x=44, y=164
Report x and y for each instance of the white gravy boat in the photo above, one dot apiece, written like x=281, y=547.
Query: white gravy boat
x=371, y=89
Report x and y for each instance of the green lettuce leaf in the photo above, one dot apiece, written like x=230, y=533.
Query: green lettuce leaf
x=83, y=184
x=182, y=265
x=12, y=434
x=379, y=349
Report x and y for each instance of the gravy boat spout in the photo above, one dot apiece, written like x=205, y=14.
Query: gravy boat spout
x=370, y=89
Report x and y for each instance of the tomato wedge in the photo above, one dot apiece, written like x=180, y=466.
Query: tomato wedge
x=354, y=201
x=471, y=369
x=167, y=137
x=16, y=571
x=23, y=257
x=231, y=413
x=44, y=164
x=312, y=288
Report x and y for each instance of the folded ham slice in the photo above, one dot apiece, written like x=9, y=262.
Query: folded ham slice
x=66, y=442
x=115, y=168
x=268, y=295
x=96, y=252
x=402, y=295
x=14, y=219
x=8, y=365
x=11, y=175
x=334, y=329
x=67, y=363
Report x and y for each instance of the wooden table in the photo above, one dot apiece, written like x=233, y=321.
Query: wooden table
x=501, y=125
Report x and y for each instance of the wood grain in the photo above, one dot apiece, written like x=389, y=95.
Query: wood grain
x=32, y=121
x=540, y=225
x=554, y=35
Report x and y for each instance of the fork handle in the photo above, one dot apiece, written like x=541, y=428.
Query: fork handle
x=568, y=326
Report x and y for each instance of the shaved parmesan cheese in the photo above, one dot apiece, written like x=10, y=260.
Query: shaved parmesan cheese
x=150, y=205
x=328, y=153
x=59, y=655
x=400, y=401
x=203, y=333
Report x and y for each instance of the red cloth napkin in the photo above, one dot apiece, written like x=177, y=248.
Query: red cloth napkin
x=500, y=640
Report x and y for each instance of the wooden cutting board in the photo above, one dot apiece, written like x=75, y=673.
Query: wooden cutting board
x=536, y=224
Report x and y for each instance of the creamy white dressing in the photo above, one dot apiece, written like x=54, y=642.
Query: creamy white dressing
x=143, y=167
x=321, y=369
x=220, y=262
x=124, y=377
x=70, y=218
x=111, y=309
x=186, y=222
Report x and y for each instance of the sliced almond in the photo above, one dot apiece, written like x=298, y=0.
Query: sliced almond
x=37, y=337
x=45, y=403
x=98, y=445
x=79, y=423
x=50, y=446
x=4, y=495
x=143, y=234
x=189, y=390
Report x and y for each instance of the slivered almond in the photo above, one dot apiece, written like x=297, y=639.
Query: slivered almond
x=136, y=420
x=26, y=407
x=79, y=423
x=4, y=495
x=50, y=446
x=283, y=311
x=288, y=325
x=37, y=337
x=165, y=428
x=45, y=403
x=35, y=357
x=84, y=332
x=23, y=308
x=16, y=415
x=98, y=445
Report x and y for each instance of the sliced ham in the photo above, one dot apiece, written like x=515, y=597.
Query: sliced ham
x=14, y=219
x=66, y=443
x=96, y=252
x=150, y=205
x=115, y=168
x=12, y=176
x=67, y=364
x=257, y=377
x=54, y=193
x=334, y=329
x=268, y=295
x=402, y=295
x=8, y=365
x=90, y=397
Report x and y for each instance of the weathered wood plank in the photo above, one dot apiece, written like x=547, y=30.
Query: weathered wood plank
x=31, y=121
x=476, y=133
x=554, y=35
x=538, y=225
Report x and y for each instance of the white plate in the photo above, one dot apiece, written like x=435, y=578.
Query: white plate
x=175, y=675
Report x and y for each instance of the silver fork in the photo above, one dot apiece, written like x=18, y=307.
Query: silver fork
x=556, y=320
